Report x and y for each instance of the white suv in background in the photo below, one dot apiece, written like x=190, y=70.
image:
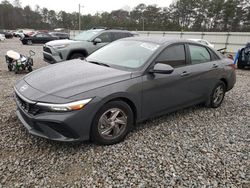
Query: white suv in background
x=203, y=41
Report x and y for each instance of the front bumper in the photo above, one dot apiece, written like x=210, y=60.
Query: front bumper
x=59, y=126
x=48, y=128
x=51, y=56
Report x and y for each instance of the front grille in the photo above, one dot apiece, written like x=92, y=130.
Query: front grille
x=46, y=49
x=27, y=107
x=48, y=58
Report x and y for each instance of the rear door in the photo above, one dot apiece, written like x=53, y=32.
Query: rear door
x=47, y=38
x=37, y=38
x=205, y=70
x=41, y=38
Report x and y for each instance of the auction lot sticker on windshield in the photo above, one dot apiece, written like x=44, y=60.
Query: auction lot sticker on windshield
x=150, y=46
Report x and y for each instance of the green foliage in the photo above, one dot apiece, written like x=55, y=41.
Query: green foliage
x=184, y=15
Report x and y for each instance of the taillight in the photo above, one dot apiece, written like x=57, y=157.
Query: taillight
x=232, y=65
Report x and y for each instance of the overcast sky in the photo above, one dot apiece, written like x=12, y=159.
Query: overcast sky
x=92, y=6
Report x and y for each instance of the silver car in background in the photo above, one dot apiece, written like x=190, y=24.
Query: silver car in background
x=82, y=45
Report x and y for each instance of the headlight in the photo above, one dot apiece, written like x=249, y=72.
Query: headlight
x=65, y=107
x=61, y=46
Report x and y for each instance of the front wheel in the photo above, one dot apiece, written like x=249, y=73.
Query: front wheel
x=112, y=123
x=217, y=95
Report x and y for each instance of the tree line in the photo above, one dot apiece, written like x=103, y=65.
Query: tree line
x=181, y=15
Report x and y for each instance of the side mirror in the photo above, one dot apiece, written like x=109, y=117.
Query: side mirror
x=97, y=40
x=160, y=68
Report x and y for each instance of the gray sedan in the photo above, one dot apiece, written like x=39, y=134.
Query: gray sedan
x=128, y=81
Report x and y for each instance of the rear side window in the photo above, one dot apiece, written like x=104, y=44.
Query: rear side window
x=120, y=35
x=105, y=37
x=199, y=54
x=173, y=55
x=39, y=35
x=214, y=56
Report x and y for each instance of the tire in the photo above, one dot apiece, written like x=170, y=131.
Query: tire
x=77, y=56
x=30, y=69
x=110, y=131
x=217, y=95
x=240, y=66
x=29, y=42
x=10, y=67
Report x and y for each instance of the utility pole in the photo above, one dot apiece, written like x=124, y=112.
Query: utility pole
x=80, y=16
x=143, y=24
x=142, y=20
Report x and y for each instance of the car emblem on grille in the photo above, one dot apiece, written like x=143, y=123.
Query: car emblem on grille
x=23, y=88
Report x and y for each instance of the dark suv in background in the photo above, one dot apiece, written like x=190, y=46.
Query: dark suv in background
x=82, y=45
x=60, y=35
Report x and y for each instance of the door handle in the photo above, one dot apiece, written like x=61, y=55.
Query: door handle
x=215, y=66
x=185, y=73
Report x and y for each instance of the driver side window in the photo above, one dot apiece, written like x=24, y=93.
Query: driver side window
x=174, y=56
x=105, y=37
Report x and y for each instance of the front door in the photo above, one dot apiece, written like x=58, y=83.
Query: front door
x=105, y=39
x=166, y=92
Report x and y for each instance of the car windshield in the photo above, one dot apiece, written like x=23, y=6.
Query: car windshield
x=86, y=35
x=126, y=54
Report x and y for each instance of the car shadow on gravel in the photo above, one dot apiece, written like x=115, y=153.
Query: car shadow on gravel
x=172, y=116
x=56, y=146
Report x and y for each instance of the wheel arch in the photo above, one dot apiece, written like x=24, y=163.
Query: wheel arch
x=124, y=98
x=225, y=82
x=81, y=51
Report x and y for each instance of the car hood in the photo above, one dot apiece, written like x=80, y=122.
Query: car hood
x=73, y=77
x=61, y=42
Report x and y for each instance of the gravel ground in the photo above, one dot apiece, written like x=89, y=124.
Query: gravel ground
x=194, y=147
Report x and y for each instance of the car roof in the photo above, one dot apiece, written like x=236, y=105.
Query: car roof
x=157, y=40
x=117, y=30
x=110, y=30
x=196, y=39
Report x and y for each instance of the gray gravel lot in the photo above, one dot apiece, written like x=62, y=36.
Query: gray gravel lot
x=194, y=147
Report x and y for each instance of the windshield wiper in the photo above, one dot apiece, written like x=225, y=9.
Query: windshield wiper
x=98, y=63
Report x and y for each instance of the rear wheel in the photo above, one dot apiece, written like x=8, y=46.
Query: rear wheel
x=112, y=123
x=217, y=95
x=77, y=56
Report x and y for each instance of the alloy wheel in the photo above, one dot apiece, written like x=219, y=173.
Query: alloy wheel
x=218, y=95
x=112, y=123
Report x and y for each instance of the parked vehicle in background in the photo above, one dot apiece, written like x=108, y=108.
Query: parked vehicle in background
x=61, y=35
x=22, y=32
x=244, y=57
x=2, y=37
x=82, y=45
x=39, y=38
x=18, y=33
x=125, y=82
x=203, y=41
x=7, y=35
